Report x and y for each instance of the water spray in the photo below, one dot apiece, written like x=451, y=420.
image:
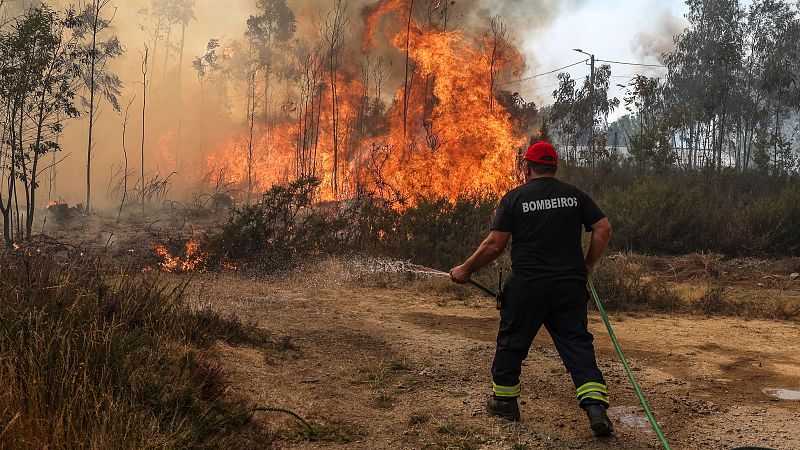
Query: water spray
x=403, y=266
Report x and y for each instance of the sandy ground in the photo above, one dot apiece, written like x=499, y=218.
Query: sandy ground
x=390, y=364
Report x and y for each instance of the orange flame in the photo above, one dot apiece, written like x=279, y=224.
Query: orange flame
x=191, y=260
x=445, y=140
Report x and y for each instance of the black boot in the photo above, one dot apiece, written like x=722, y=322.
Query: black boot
x=506, y=409
x=598, y=420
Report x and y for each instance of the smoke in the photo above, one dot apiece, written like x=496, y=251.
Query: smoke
x=658, y=40
x=523, y=18
x=179, y=136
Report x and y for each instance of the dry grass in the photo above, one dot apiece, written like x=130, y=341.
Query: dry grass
x=623, y=287
x=699, y=283
x=98, y=361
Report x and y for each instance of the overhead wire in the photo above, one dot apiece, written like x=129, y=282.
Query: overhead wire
x=545, y=73
x=629, y=63
x=549, y=72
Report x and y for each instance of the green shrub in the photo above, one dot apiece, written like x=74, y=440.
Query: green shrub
x=438, y=233
x=683, y=212
x=285, y=227
x=673, y=213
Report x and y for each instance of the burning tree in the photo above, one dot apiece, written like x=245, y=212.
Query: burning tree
x=438, y=136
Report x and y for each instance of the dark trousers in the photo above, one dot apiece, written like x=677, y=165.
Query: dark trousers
x=561, y=307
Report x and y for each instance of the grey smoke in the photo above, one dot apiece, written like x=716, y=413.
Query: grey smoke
x=653, y=43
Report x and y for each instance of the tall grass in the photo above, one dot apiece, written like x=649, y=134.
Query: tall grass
x=92, y=360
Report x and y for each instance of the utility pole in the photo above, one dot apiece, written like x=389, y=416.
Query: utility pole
x=592, y=105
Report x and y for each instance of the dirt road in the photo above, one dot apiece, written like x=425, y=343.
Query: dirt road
x=385, y=364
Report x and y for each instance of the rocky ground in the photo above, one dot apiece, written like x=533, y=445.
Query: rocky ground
x=388, y=362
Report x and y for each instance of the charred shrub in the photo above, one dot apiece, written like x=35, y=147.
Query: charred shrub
x=285, y=226
x=206, y=326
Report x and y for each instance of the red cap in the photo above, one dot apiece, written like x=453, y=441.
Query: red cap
x=542, y=152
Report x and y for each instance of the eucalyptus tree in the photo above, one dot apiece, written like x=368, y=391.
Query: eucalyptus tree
x=647, y=132
x=208, y=66
x=702, y=79
x=577, y=111
x=266, y=34
x=334, y=30
x=43, y=63
x=92, y=26
x=173, y=13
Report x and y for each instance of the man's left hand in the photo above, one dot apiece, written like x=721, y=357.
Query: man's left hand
x=460, y=274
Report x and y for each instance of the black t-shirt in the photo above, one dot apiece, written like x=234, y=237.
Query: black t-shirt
x=544, y=217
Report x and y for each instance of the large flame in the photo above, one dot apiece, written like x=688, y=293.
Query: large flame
x=452, y=142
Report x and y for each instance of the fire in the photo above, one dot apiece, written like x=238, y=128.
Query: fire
x=443, y=137
x=192, y=258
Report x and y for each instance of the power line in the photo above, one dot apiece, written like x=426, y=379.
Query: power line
x=545, y=73
x=631, y=64
x=549, y=72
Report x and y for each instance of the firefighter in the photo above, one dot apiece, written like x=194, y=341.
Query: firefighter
x=548, y=283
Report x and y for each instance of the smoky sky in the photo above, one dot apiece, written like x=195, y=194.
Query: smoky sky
x=652, y=43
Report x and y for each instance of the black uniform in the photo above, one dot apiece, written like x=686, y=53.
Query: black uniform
x=548, y=285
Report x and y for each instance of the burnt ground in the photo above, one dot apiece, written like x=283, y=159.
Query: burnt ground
x=392, y=364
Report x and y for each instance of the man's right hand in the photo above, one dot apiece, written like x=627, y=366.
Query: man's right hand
x=460, y=274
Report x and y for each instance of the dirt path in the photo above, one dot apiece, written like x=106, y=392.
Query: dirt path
x=392, y=365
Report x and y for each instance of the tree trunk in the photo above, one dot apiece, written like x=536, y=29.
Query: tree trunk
x=144, y=120
x=166, y=52
x=125, y=155
x=335, y=119
x=250, y=141
x=406, y=86
x=96, y=10
x=180, y=55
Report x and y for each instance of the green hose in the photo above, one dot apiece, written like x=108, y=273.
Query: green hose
x=636, y=388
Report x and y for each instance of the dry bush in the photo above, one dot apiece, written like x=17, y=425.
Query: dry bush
x=92, y=360
x=622, y=288
x=714, y=301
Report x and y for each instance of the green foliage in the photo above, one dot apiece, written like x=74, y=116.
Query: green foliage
x=439, y=233
x=684, y=212
x=578, y=111
x=672, y=213
x=92, y=360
